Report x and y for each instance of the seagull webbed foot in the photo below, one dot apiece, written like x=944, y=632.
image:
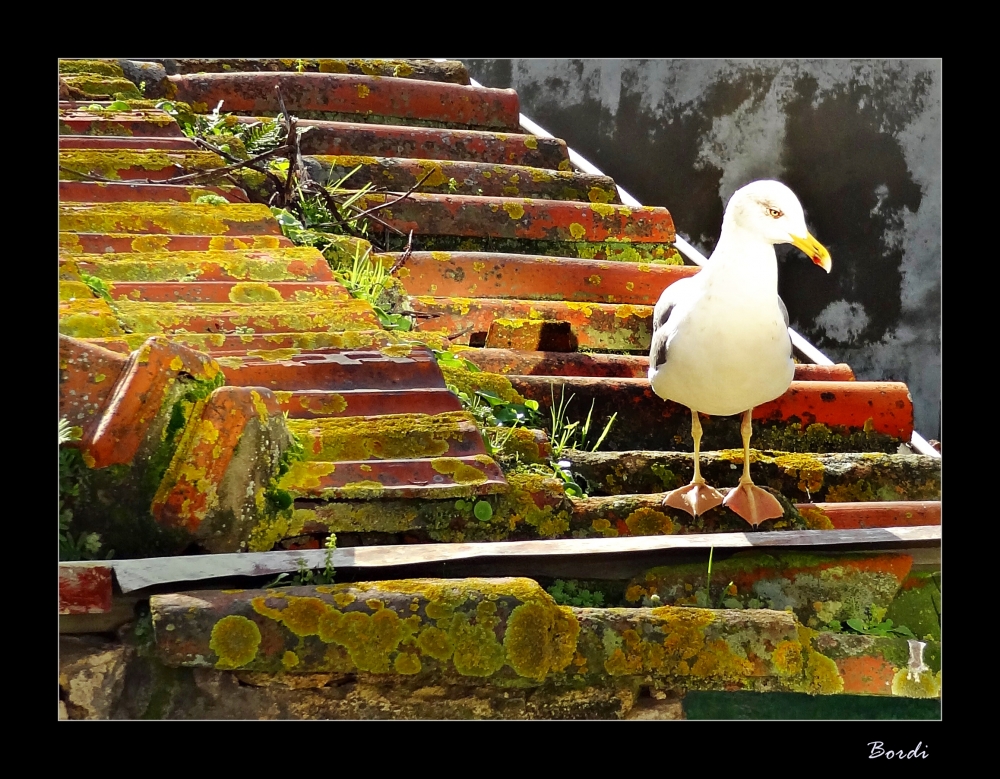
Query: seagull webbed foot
x=753, y=503
x=696, y=498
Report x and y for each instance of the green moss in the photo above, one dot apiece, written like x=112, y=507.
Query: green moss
x=792, y=436
x=667, y=477
x=918, y=605
x=188, y=406
x=102, y=86
x=654, y=253
x=98, y=67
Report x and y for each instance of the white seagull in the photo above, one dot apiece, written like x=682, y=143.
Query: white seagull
x=720, y=341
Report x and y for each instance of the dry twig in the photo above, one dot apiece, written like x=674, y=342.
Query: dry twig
x=404, y=256
x=221, y=171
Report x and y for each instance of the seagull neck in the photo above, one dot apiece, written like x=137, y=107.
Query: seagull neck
x=743, y=259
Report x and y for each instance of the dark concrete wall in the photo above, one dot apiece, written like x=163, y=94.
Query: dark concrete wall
x=859, y=141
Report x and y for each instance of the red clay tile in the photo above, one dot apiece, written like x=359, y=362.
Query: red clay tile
x=234, y=219
x=524, y=277
x=227, y=291
x=139, y=395
x=623, y=366
x=84, y=588
x=464, y=178
x=345, y=94
x=310, y=404
x=103, y=243
x=531, y=335
x=881, y=407
x=386, y=437
x=272, y=265
x=142, y=123
x=852, y=516
x=134, y=164
x=115, y=192
x=886, y=403
x=866, y=675
x=449, y=71
x=125, y=142
x=191, y=487
x=594, y=325
x=429, y=479
x=432, y=143
x=87, y=376
x=335, y=370
x=550, y=220
x=318, y=316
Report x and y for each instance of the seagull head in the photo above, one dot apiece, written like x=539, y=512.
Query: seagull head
x=770, y=210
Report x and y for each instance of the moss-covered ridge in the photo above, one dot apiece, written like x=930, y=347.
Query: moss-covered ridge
x=389, y=437
x=506, y=632
x=803, y=476
x=819, y=589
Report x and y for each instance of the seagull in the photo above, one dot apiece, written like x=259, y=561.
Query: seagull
x=720, y=342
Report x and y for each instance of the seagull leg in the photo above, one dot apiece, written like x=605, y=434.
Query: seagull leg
x=697, y=497
x=748, y=500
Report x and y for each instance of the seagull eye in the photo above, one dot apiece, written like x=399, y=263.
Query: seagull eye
x=774, y=212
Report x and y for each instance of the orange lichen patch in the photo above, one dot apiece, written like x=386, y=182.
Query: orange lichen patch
x=865, y=675
x=541, y=639
x=407, y=663
x=435, y=643
x=649, y=522
x=235, y=640
x=815, y=518
x=787, y=658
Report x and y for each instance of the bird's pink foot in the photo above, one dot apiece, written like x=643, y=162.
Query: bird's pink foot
x=695, y=498
x=753, y=504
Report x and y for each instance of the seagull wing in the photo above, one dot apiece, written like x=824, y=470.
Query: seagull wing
x=784, y=314
x=665, y=320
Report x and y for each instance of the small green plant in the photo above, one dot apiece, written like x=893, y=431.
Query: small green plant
x=97, y=286
x=310, y=577
x=570, y=593
x=571, y=435
x=873, y=624
x=83, y=546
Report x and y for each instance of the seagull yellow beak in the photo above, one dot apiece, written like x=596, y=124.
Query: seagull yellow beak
x=814, y=250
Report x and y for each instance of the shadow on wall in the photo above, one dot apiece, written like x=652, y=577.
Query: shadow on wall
x=857, y=140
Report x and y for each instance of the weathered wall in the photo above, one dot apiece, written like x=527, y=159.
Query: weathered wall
x=858, y=140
